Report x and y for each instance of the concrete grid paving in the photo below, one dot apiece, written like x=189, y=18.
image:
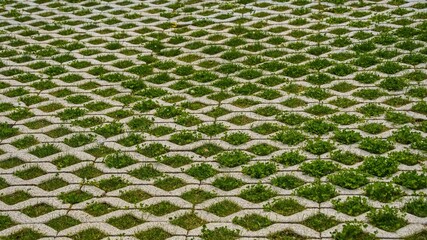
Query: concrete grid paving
x=194, y=119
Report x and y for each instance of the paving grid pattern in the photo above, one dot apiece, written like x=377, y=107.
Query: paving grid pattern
x=126, y=118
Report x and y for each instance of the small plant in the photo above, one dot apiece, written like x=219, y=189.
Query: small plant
x=342, y=70
x=266, y=128
x=125, y=221
x=174, y=161
x=353, y=231
x=188, y=221
x=417, y=206
x=318, y=126
x=145, y=172
x=367, y=78
x=318, y=192
x=406, y=157
x=240, y=120
x=319, y=147
x=185, y=137
x=161, y=131
x=420, y=107
x=373, y=128
x=119, y=160
x=140, y=124
x=156, y=233
x=291, y=118
x=88, y=122
x=15, y=197
x=233, y=158
x=290, y=158
x=44, y=150
x=252, y=222
x=79, y=140
x=227, y=183
x=390, y=67
x=30, y=173
x=379, y=166
x=20, y=114
x=62, y=222
x=290, y=137
x=369, y=94
x=207, y=150
x=224, y=208
x=53, y=184
x=371, y=110
x=345, y=119
x=197, y=195
x=383, y=192
x=131, y=140
x=320, y=222
x=37, y=210
x=345, y=157
x=347, y=136
x=236, y=138
x=294, y=103
x=153, y=150
x=111, y=184
x=353, y=206
x=319, y=168
x=405, y=136
x=285, y=206
x=88, y=172
x=11, y=163
x=393, y=84
x=411, y=180
x=260, y=170
x=169, y=183
x=398, y=118
x=376, y=145
x=317, y=93
x=350, y=179
x=7, y=131
x=71, y=113
x=213, y=129
x=134, y=196
x=285, y=234
x=74, y=197
x=343, y=102
x=257, y=193
x=387, y=218
x=263, y=149
x=25, y=142
x=219, y=233
x=109, y=130
x=287, y=182
x=89, y=233
x=201, y=171
x=25, y=233
x=167, y=112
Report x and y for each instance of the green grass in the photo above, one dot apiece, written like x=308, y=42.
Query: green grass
x=125, y=221
x=155, y=233
x=134, y=196
x=161, y=208
x=188, y=221
x=62, y=222
x=196, y=195
x=320, y=222
x=37, y=210
x=252, y=222
x=181, y=110
x=285, y=206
